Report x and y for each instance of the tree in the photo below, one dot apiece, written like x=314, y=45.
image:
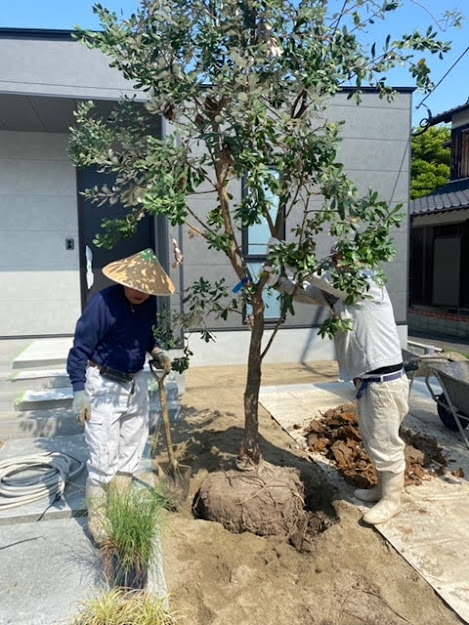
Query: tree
x=249, y=80
x=431, y=161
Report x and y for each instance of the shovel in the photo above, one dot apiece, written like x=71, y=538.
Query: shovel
x=173, y=474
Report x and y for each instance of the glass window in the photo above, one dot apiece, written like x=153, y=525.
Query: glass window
x=270, y=296
x=258, y=235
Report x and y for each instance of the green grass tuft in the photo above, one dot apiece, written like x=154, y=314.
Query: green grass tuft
x=121, y=607
x=134, y=522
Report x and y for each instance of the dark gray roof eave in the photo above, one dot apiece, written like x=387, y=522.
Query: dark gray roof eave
x=438, y=211
x=447, y=116
x=452, y=196
x=36, y=33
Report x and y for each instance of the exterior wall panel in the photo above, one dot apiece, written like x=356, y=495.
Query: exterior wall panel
x=38, y=211
x=62, y=68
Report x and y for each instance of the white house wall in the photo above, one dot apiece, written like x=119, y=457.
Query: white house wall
x=290, y=345
x=38, y=212
x=62, y=67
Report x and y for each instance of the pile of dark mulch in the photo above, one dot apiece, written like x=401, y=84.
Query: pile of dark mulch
x=337, y=437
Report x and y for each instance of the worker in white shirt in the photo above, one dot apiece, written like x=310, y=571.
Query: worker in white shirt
x=369, y=354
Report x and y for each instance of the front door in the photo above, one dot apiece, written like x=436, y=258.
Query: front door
x=92, y=258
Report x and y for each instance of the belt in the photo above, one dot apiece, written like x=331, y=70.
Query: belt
x=112, y=374
x=368, y=378
x=382, y=370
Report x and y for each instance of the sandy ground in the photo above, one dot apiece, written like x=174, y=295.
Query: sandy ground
x=352, y=575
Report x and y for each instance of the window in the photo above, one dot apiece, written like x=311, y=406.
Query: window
x=255, y=240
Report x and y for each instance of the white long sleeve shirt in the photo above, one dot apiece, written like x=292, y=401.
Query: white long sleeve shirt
x=373, y=341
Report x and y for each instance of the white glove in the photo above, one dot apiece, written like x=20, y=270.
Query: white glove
x=81, y=406
x=272, y=274
x=162, y=360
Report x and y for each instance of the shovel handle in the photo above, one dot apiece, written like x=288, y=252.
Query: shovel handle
x=167, y=428
x=160, y=375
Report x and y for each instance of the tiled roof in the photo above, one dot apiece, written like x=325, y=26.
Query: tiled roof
x=453, y=196
x=447, y=116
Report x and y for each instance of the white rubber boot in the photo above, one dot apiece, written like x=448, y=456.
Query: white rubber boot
x=96, y=502
x=368, y=494
x=392, y=485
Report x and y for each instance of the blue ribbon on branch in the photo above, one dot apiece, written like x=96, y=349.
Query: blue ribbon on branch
x=240, y=285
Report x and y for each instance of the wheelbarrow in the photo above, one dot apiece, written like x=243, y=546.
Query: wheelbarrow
x=172, y=474
x=453, y=402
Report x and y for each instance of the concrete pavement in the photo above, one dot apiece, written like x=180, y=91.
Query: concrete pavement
x=431, y=532
x=446, y=343
x=48, y=564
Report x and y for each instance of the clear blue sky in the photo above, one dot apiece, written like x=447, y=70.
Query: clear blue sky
x=453, y=91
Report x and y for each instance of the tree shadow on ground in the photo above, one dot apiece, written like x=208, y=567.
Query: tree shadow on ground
x=209, y=447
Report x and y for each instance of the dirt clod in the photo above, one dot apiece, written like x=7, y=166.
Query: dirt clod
x=337, y=436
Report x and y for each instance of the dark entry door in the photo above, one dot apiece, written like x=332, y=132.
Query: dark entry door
x=92, y=258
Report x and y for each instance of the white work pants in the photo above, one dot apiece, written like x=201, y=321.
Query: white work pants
x=118, y=429
x=381, y=410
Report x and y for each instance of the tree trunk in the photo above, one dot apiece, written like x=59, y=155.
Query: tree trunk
x=249, y=454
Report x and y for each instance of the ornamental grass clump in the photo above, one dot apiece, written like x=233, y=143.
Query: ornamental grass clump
x=134, y=524
x=124, y=607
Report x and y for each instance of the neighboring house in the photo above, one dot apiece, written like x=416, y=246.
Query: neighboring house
x=439, y=242
x=47, y=227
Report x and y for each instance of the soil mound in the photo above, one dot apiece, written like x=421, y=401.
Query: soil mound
x=336, y=436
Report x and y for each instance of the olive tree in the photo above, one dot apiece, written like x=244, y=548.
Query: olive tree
x=250, y=81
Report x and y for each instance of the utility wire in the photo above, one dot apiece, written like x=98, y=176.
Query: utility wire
x=441, y=80
x=427, y=121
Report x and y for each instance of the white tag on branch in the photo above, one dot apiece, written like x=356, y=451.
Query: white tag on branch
x=178, y=256
x=275, y=50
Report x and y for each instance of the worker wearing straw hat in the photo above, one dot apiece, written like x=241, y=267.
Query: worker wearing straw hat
x=110, y=392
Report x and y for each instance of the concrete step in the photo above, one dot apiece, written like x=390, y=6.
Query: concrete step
x=44, y=361
x=53, y=353
x=35, y=379
x=38, y=423
x=43, y=353
x=44, y=399
x=45, y=378
x=42, y=378
x=61, y=421
x=62, y=397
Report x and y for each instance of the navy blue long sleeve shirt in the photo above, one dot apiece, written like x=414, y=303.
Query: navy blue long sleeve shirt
x=112, y=332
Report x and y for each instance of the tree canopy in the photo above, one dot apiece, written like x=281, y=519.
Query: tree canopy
x=244, y=86
x=431, y=161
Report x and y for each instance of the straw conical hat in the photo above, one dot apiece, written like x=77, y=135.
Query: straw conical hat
x=142, y=272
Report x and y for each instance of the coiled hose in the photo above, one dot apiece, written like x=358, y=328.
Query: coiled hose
x=29, y=478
